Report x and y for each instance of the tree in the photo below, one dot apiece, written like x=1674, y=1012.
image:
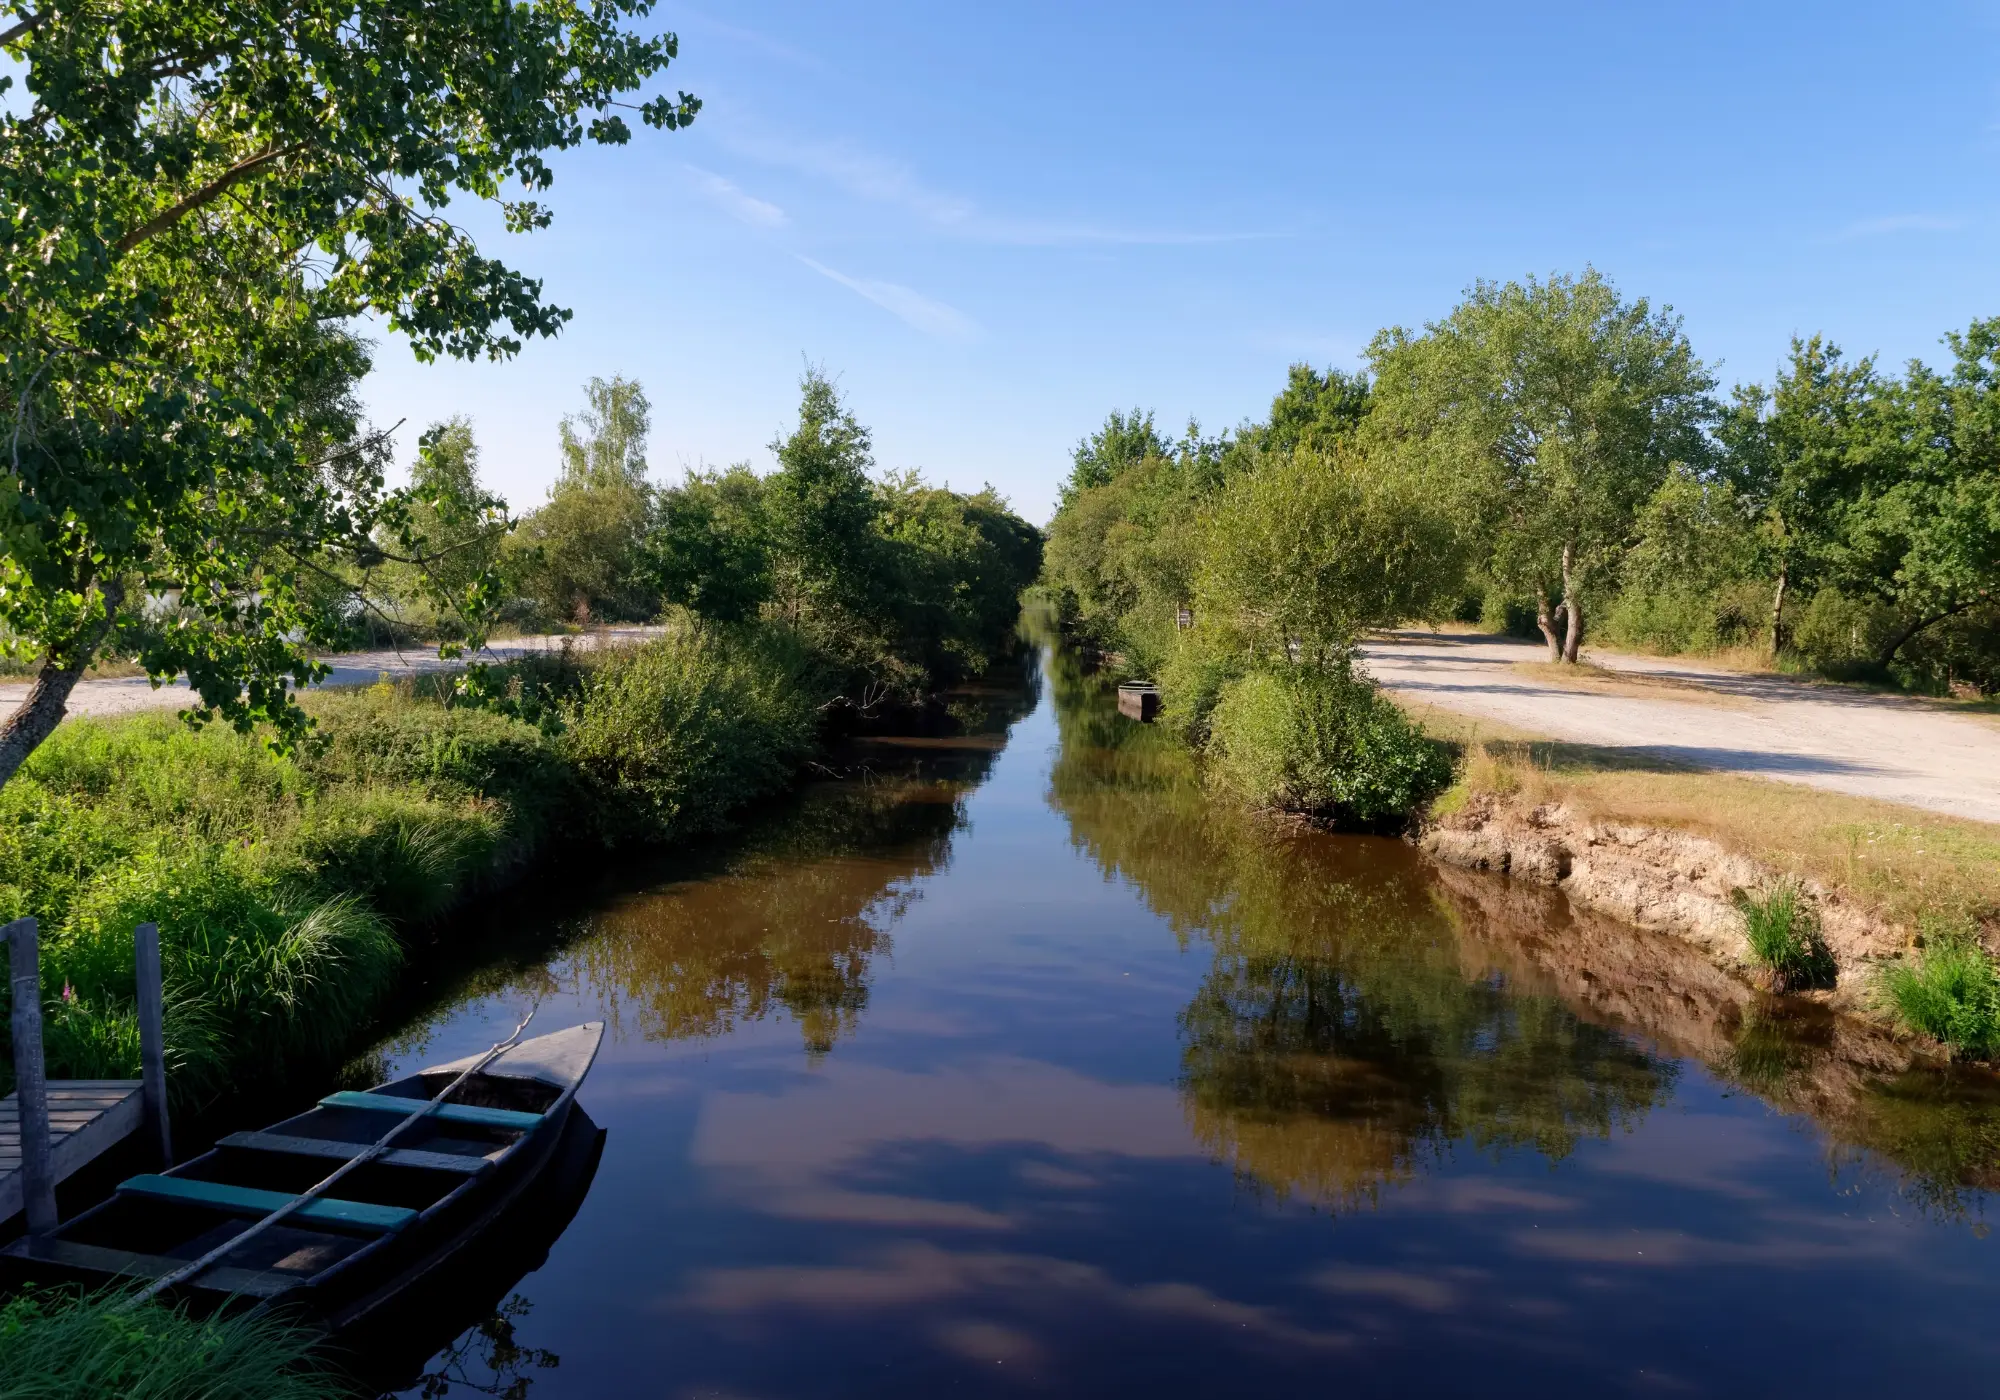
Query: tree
x=582, y=552
x=1559, y=407
x=195, y=195
x=453, y=522
x=709, y=549
x=1315, y=410
x=1796, y=456
x=1303, y=553
x=821, y=505
x=1122, y=443
x=1925, y=536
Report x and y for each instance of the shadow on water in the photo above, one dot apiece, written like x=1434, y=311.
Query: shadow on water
x=903, y=1099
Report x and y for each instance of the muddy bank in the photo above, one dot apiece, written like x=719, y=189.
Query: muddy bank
x=1660, y=881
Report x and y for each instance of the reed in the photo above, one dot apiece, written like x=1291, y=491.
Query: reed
x=56, y=1346
x=1949, y=991
x=1783, y=930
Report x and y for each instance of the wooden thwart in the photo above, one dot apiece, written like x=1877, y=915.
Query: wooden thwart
x=346, y=1151
x=67, y=1254
x=469, y=1114
x=253, y=1200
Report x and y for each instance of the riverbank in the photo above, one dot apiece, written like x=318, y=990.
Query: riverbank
x=287, y=887
x=1672, y=849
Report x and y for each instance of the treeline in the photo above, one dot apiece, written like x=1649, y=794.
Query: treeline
x=901, y=585
x=1550, y=458
x=285, y=878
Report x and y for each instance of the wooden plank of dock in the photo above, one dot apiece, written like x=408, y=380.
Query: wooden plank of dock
x=86, y=1118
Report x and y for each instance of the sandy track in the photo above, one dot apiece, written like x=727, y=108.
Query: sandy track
x=129, y=695
x=1885, y=746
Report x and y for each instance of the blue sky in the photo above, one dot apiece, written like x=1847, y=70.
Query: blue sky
x=993, y=224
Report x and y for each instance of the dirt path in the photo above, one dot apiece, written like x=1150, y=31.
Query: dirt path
x=131, y=694
x=1884, y=746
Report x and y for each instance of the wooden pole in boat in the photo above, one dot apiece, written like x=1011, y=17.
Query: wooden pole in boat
x=31, y=1084
x=423, y=1109
x=152, y=1038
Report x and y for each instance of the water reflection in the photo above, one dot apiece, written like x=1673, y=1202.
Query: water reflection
x=985, y=1072
x=1337, y=1044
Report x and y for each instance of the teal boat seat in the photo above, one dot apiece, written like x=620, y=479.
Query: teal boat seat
x=250, y=1200
x=449, y=1113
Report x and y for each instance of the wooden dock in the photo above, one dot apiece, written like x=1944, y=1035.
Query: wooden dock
x=49, y=1129
x=86, y=1118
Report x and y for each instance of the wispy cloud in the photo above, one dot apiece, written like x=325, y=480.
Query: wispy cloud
x=1900, y=223
x=893, y=184
x=912, y=308
x=728, y=196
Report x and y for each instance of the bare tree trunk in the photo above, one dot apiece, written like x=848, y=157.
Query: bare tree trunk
x=1573, y=605
x=1547, y=621
x=1778, y=612
x=48, y=698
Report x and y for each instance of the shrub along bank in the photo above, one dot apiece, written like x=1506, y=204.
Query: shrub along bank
x=282, y=885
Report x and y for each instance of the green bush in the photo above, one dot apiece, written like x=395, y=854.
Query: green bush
x=1324, y=743
x=55, y=1347
x=1783, y=930
x=1192, y=679
x=1951, y=992
x=671, y=738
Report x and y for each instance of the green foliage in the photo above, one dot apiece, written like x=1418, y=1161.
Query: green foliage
x=1325, y=743
x=1125, y=441
x=195, y=199
x=55, y=1346
x=1301, y=554
x=1557, y=409
x=670, y=738
x=582, y=557
x=709, y=550
x=1315, y=411
x=1783, y=930
x=1951, y=992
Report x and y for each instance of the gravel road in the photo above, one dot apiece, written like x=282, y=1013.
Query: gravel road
x=129, y=695
x=1886, y=746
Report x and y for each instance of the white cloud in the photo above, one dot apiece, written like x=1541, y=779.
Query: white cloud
x=881, y=180
x=1900, y=223
x=913, y=308
x=731, y=199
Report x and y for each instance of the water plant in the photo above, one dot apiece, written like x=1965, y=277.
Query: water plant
x=1783, y=930
x=58, y=1346
x=1951, y=991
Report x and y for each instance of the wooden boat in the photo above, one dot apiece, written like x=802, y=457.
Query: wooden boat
x=390, y=1221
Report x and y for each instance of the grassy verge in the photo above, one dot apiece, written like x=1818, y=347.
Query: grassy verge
x=1903, y=863
x=284, y=886
x=58, y=1347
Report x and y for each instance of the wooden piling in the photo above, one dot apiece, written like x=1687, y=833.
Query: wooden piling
x=152, y=1038
x=31, y=1086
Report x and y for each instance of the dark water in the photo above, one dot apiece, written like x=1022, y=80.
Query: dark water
x=1015, y=1068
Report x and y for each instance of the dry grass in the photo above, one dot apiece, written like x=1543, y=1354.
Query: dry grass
x=1900, y=861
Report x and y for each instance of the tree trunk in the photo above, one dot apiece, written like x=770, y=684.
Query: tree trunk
x=1572, y=605
x=1902, y=638
x=38, y=715
x=1778, y=612
x=48, y=698
x=1546, y=620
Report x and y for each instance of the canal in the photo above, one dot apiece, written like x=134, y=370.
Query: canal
x=1006, y=1065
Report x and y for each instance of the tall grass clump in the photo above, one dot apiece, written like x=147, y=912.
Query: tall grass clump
x=1324, y=743
x=1951, y=992
x=671, y=738
x=1783, y=930
x=59, y=1347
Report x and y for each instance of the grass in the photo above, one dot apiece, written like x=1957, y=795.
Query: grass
x=1951, y=991
x=284, y=886
x=60, y=1347
x=1641, y=685
x=1903, y=863
x=1782, y=928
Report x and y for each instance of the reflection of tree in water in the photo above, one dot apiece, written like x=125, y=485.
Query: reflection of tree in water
x=487, y=1360
x=1338, y=1042
x=795, y=921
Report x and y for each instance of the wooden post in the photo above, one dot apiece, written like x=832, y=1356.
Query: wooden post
x=152, y=1037
x=31, y=1085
